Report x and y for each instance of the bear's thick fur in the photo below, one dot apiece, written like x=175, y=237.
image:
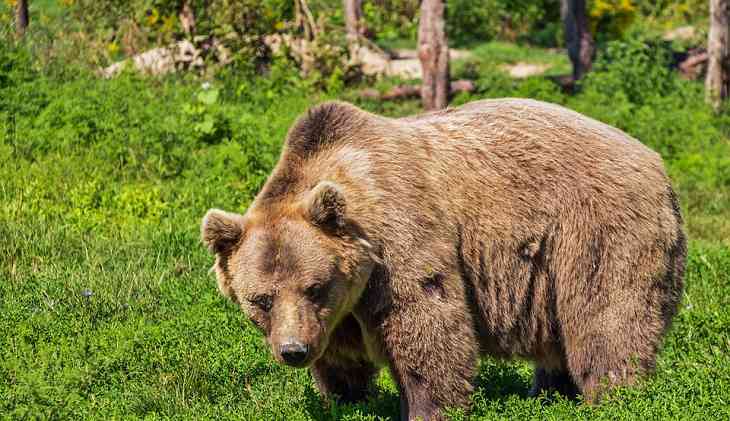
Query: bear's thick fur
x=510, y=228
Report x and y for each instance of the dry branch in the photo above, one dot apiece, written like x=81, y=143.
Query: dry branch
x=693, y=65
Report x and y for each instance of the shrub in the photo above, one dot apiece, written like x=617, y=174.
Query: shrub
x=610, y=18
x=633, y=68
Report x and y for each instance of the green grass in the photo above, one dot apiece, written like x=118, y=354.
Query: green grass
x=498, y=52
x=492, y=54
x=102, y=188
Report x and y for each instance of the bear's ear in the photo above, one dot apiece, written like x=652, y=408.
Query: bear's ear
x=325, y=206
x=221, y=230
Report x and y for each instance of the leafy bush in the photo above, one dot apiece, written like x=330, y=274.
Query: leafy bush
x=610, y=18
x=672, y=13
x=470, y=22
x=134, y=26
x=633, y=68
x=391, y=20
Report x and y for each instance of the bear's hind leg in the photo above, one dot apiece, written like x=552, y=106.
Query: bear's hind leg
x=612, y=322
x=599, y=362
x=553, y=380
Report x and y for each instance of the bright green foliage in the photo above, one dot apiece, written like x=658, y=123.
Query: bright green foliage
x=610, y=18
x=671, y=13
x=390, y=20
x=478, y=21
x=107, y=309
x=137, y=25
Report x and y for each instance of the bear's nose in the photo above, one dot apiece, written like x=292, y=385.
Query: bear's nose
x=294, y=352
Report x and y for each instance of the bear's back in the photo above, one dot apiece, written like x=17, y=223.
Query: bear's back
x=508, y=154
x=516, y=119
x=543, y=145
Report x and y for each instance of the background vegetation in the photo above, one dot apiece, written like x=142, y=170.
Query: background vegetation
x=106, y=305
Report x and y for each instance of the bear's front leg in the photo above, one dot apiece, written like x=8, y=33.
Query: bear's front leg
x=433, y=353
x=343, y=379
x=344, y=371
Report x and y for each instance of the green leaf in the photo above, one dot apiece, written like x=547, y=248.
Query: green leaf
x=206, y=126
x=208, y=97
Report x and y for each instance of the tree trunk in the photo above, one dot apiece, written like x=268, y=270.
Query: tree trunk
x=433, y=51
x=187, y=18
x=21, y=17
x=354, y=26
x=717, y=84
x=578, y=37
x=353, y=18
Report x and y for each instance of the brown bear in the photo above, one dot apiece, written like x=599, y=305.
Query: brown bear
x=508, y=228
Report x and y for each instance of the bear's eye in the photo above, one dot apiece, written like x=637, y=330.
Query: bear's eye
x=263, y=302
x=316, y=292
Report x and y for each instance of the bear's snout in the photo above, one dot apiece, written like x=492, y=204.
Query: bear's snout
x=294, y=352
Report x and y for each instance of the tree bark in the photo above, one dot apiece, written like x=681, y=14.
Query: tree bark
x=353, y=18
x=304, y=19
x=433, y=52
x=21, y=17
x=187, y=18
x=717, y=84
x=354, y=26
x=578, y=37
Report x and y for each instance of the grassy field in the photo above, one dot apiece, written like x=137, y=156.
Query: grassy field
x=107, y=308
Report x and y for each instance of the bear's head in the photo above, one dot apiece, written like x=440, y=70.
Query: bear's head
x=296, y=267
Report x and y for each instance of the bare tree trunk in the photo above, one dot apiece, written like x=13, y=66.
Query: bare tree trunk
x=21, y=17
x=717, y=84
x=433, y=51
x=354, y=26
x=353, y=18
x=187, y=18
x=304, y=18
x=578, y=37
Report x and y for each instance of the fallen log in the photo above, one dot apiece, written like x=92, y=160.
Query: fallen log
x=414, y=91
x=181, y=55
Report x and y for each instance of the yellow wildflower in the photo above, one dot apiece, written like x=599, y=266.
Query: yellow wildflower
x=152, y=16
x=112, y=48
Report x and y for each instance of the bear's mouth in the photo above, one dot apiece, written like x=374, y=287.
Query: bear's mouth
x=296, y=364
x=304, y=364
x=299, y=356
